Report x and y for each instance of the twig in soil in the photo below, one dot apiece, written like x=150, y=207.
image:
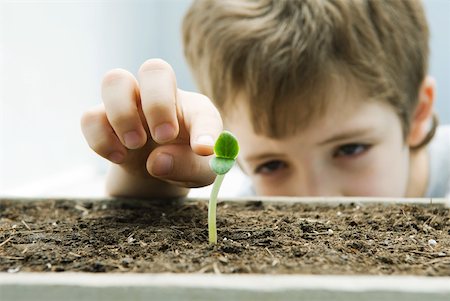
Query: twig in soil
x=429, y=220
x=403, y=211
x=205, y=269
x=121, y=268
x=25, y=250
x=223, y=259
x=130, y=238
x=6, y=241
x=85, y=211
x=26, y=225
x=275, y=260
x=178, y=231
x=216, y=269
x=268, y=251
x=75, y=254
x=31, y=231
x=322, y=233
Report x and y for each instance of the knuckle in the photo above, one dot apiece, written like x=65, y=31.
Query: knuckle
x=199, y=99
x=205, y=103
x=122, y=119
x=204, y=99
x=96, y=142
x=210, y=122
x=99, y=146
x=90, y=117
x=162, y=107
x=159, y=101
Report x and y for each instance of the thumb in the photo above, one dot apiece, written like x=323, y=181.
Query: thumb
x=177, y=163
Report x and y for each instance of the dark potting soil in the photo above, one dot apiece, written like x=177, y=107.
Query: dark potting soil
x=254, y=237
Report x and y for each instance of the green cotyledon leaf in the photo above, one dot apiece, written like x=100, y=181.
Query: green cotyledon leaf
x=226, y=150
x=226, y=146
x=221, y=165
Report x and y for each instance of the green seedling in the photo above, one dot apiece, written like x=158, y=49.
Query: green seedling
x=226, y=150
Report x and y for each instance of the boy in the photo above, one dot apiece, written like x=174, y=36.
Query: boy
x=325, y=97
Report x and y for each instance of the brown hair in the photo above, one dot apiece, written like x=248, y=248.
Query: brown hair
x=285, y=54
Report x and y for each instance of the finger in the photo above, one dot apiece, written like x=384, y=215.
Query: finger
x=158, y=96
x=202, y=121
x=120, y=94
x=100, y=135
x=177, y=163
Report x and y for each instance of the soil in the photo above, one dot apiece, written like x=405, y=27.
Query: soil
x=254, y=237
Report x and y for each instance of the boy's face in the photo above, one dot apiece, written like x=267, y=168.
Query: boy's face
x=355, y=149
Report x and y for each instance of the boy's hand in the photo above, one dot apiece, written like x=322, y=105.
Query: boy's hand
x=151, y=129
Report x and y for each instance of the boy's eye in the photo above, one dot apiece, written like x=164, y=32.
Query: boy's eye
x=350, y=150
x=270, y=167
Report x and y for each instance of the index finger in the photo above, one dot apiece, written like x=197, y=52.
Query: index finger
x=202, y=121
x=158, y=91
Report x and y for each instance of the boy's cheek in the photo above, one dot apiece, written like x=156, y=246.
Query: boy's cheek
x=383, y=180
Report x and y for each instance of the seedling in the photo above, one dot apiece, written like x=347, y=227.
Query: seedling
x=226, y=150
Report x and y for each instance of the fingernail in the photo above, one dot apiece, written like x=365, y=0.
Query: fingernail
x=205, y=140
x=164, y=132
x=116, y=157
x=163, y=165
x=132, y=140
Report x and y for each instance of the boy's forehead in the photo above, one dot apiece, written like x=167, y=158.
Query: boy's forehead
x=351, y=116
x=296, y=113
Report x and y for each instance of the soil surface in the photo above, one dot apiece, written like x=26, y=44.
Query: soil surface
x=172, y=236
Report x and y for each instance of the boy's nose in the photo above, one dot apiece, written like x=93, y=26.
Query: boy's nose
x=313, y=183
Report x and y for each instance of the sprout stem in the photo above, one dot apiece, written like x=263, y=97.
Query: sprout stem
x=212, y=230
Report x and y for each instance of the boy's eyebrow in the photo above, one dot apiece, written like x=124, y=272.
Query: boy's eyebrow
x=346, y=135
x=338, y=137
x=262, y=156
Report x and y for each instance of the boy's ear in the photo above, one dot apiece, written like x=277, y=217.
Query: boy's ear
x=421, y=121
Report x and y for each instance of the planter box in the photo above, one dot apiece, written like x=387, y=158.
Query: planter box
x=84, y=286
x=341, y=278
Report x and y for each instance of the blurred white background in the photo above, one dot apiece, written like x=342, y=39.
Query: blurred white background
x=53, y=55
